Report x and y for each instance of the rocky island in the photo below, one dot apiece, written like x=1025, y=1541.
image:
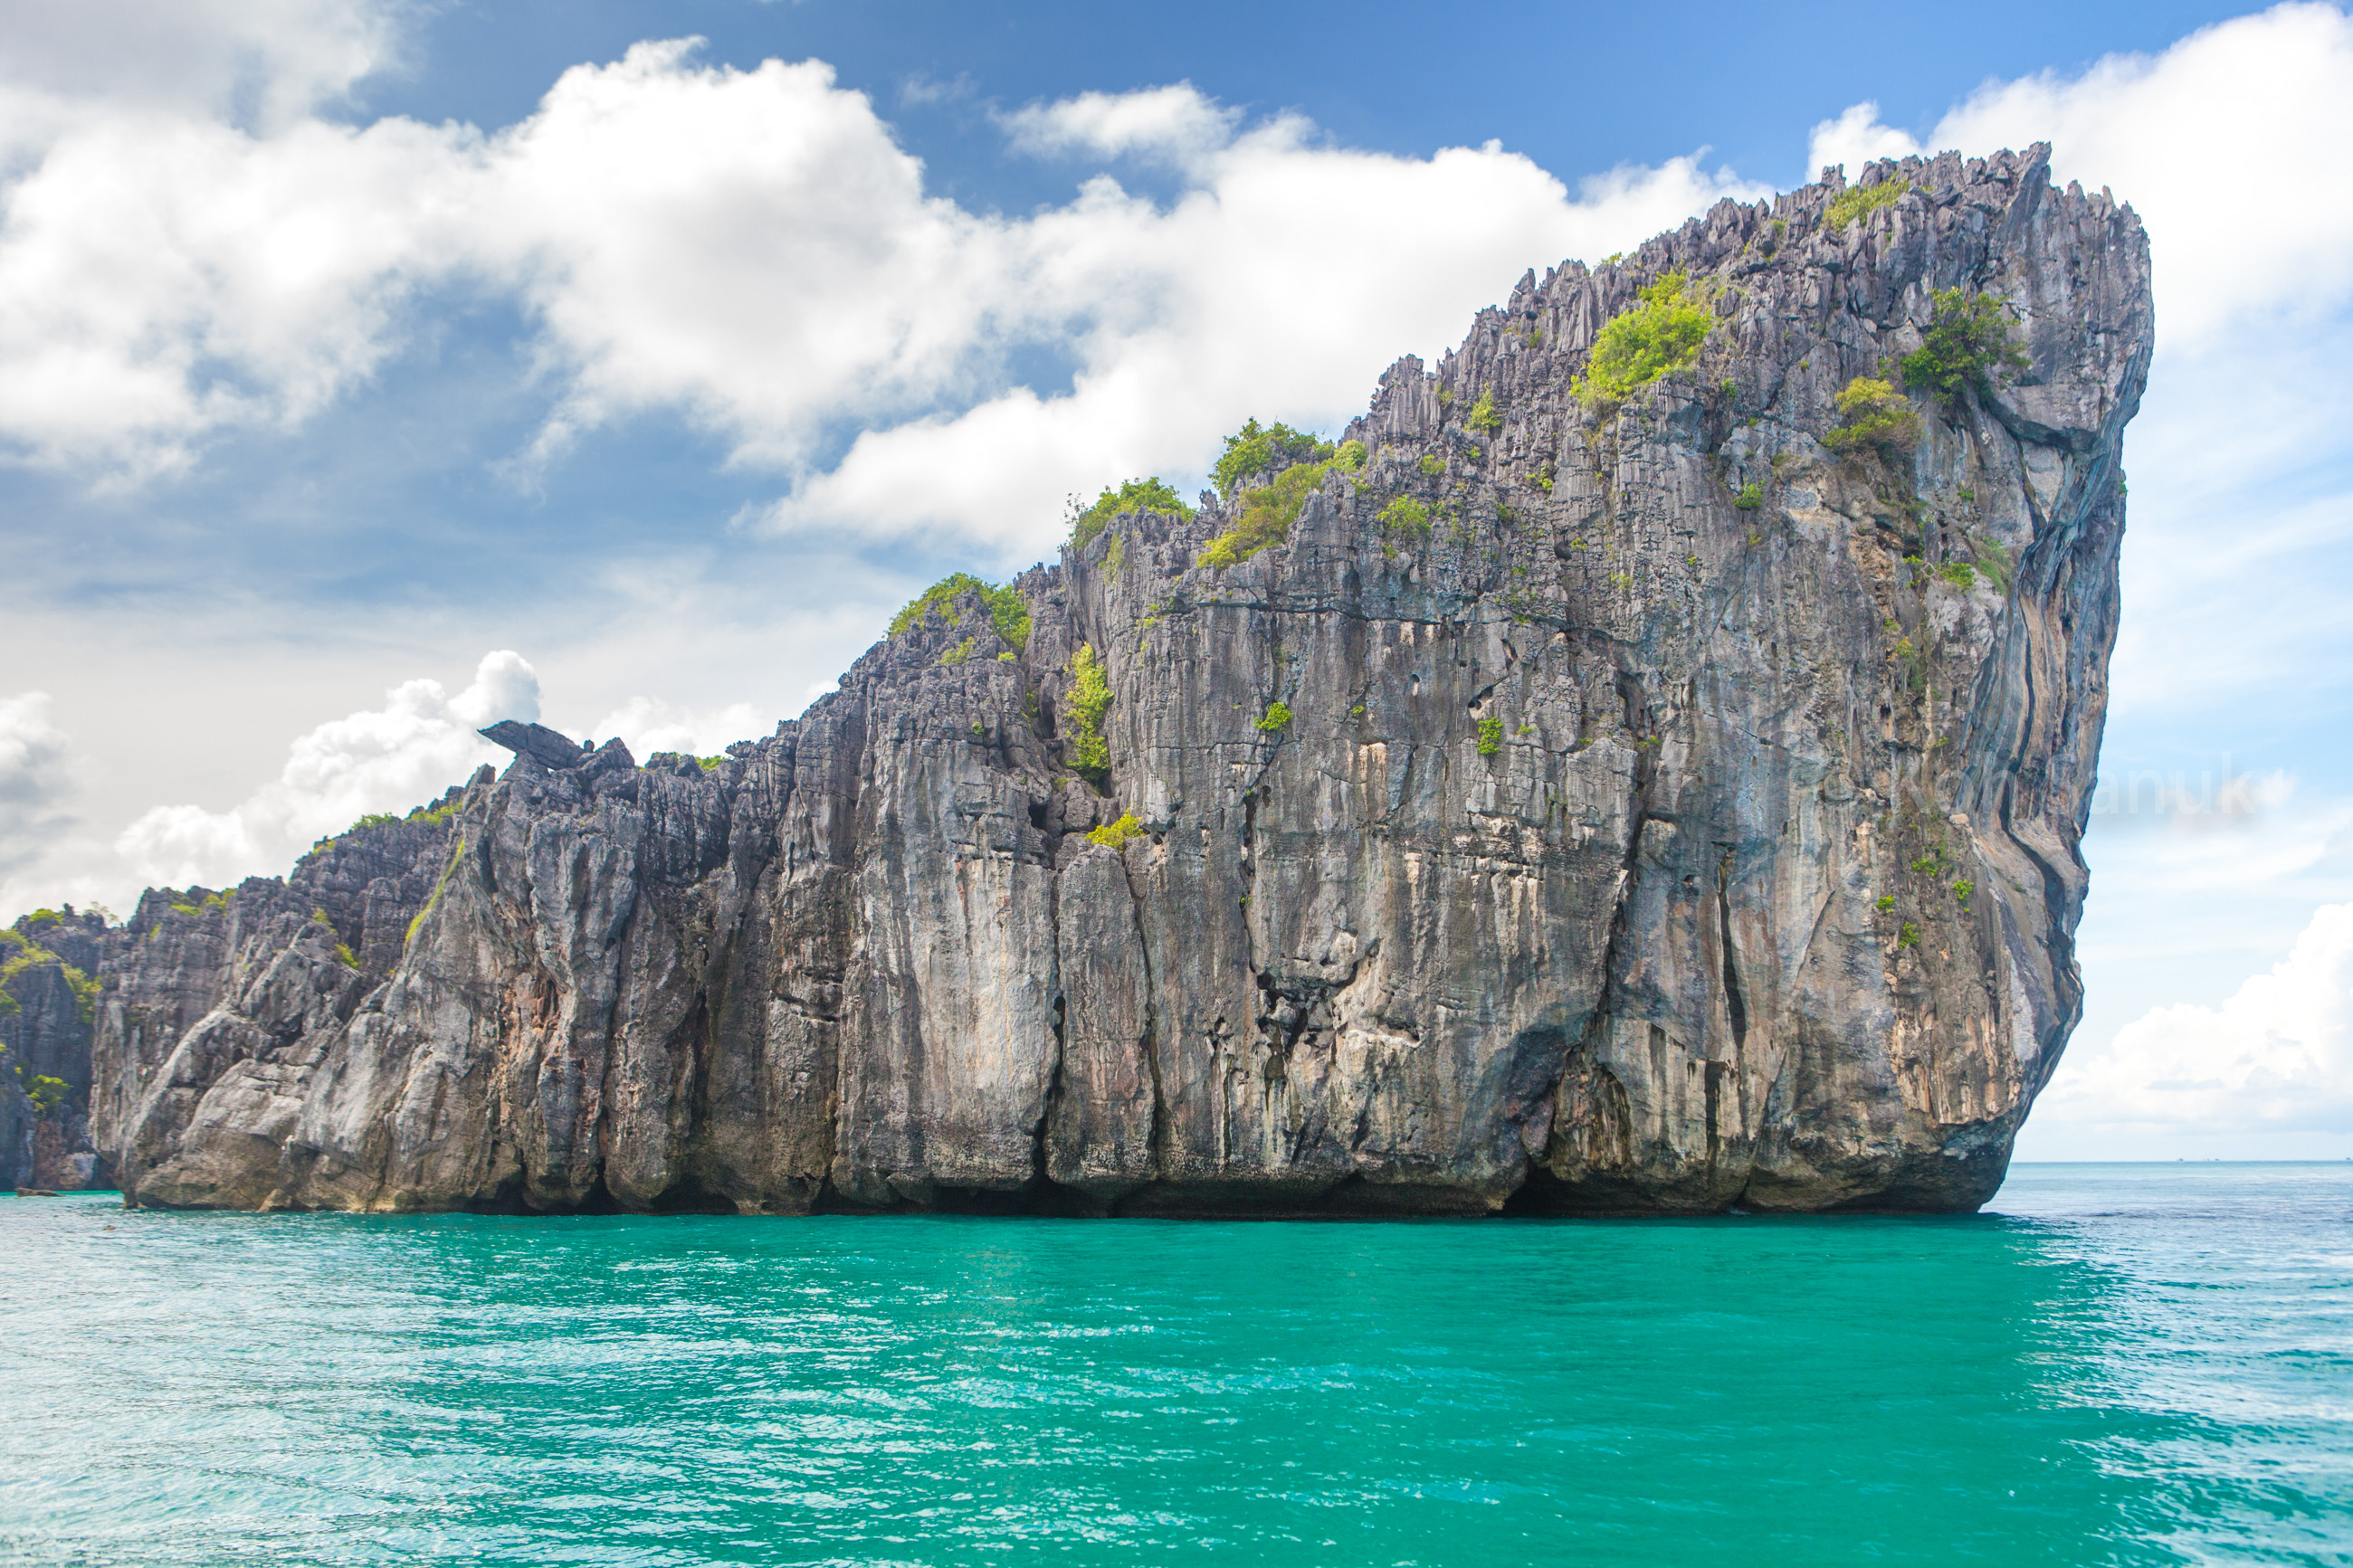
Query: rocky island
x=1637, y=768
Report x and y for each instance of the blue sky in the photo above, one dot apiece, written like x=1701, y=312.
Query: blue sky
x=368, y=370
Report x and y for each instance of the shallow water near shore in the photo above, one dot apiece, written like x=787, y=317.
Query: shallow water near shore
x=2116, y=1364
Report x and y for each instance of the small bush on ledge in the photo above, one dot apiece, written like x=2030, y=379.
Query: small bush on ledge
x=1276, y=719
x=1116, y=835
x=47, y=1094
x=1663, y=333
x=1404, y=517
x=1135, y=495
x=1873, y=417
x=1268, y=511
x=1267, y=514
x=1968, y=341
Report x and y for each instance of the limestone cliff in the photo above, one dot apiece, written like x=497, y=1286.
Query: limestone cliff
x=1661, y=799
x=48, y=993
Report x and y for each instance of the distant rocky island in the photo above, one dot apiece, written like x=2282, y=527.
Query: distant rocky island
x=1637, y=768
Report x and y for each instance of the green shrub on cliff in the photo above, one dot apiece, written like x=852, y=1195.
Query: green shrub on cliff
x=1404, y=517
x=1255, y=449
x=1873, y=417
x=1135, y=495
x=1482, y=416
x=1968, y=343
x=1663, y=333
x=1268, y=511
x=1491, y=736
x=1276, y=719
x=1115, y=834
x=1994, y=562
x=1008, y=612
x=1862, y=201
x=456, y=854
x=1267, y=514
x=47, y=1094
x=1085, y=702
x=19, y=952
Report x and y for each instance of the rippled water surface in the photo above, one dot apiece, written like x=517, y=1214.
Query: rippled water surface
x=2122, y=1364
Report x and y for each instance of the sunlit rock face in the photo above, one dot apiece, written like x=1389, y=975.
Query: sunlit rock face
x=1681, y=814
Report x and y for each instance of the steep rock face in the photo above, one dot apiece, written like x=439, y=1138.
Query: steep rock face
x=1679, y=814
x=48, y=995
x=215, y=1006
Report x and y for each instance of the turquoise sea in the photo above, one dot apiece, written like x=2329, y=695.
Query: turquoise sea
x=2117, y=1364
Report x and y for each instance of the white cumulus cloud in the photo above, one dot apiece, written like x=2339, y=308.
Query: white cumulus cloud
x=753, y=249
x=1856, y=138
x=2276, y=1057
x=384, y=759
x=2229, y=144
x=1279, y=283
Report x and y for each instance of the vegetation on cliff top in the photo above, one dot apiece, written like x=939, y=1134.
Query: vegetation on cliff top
x=1008, y=611
x=19, y=952
x=1268, y=511
x=1256, y=450
x=1862, y=201
x=1663, y=333
x=1135, y=495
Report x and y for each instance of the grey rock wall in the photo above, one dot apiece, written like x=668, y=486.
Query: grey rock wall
x=46, y=1006
x=1610, y=859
